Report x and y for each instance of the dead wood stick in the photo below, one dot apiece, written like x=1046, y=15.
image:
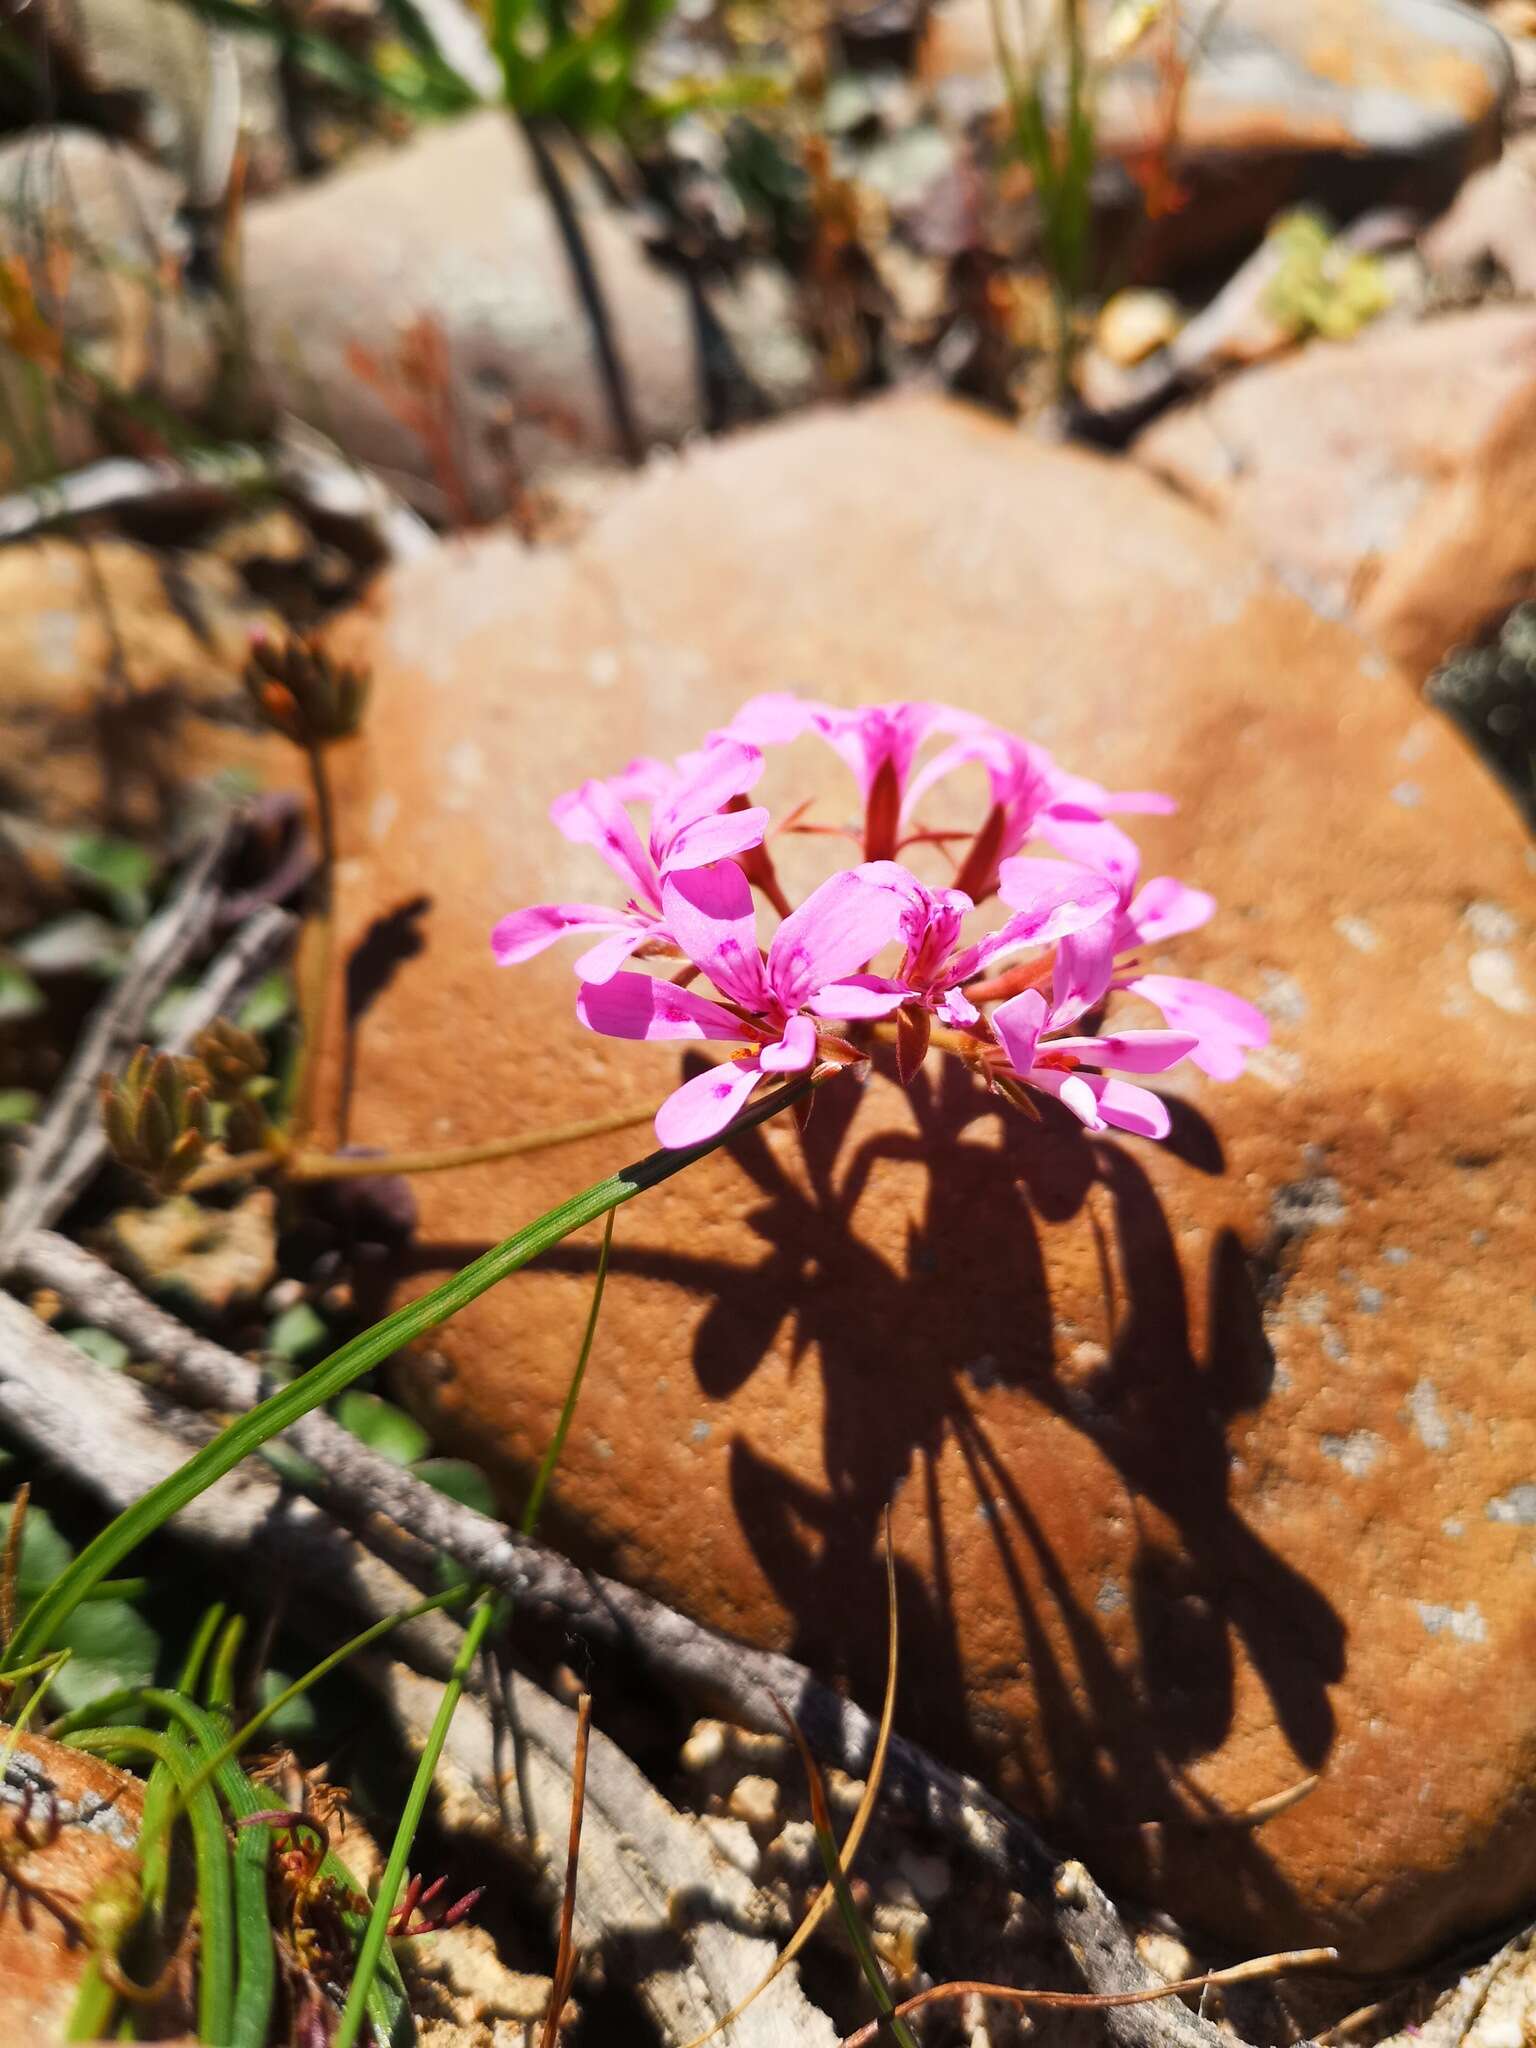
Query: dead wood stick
x=67, y=1147
x=406, y=1520
x=644, y=1864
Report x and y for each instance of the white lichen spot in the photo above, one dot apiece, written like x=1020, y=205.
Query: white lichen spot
x=603, y=668
x=1492, y=972
x=699, y=1431
x=1463, y=1624
x=1490, y=923
x=1371, y=1300
x=1282, y=997
x=1414, y=743
x=1357, y=1453
x=1397, y=1255
x=1408, y=794
x=1358, y=932
x=1277, y=1067
x=464, y=772
x=1453, y=1526
x=382, y=815
x=1422, y=1409
x=1517, y=1506
x=1312, y=1309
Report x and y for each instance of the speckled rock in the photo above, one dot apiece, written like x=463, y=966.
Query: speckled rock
x=89, y=229
x=1210, y=1462
x=453, y=231
x=98, y=1810
x=1389, y=477
x=1349, y=102
x=120, y=679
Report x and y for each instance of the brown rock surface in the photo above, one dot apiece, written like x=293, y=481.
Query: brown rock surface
x=42, y=1957
x=454, y=231
x=120, y=678
x=1390, y=476
x=1152, y=1570
x=1351, y=102
x=89, y=230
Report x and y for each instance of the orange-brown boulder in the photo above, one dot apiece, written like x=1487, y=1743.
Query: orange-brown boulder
x=1387, y=477
x=1213, y=1463
x=68, y=1824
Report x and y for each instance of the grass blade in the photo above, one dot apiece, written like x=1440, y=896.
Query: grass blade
x=377, y=1930
x=556, y=1445
x=332, y=1375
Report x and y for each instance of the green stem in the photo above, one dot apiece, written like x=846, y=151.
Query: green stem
x=556, y=1444
x=102, y=1555
x=377, y=1931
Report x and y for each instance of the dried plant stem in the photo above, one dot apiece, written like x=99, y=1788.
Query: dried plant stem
x=312, y=969
x=565, y=1950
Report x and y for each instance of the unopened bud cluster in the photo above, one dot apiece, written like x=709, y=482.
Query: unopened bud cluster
x=164, y=1110
x=300, y=692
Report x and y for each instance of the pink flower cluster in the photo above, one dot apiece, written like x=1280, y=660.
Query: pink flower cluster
x=1078, y=918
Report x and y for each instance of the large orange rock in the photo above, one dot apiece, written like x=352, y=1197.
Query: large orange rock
x=68, y=1824
x=1212, y=1463
x=1388, y=476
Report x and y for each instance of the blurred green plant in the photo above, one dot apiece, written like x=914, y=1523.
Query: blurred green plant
x=1322, y=286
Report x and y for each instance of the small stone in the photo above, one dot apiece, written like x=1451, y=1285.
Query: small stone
x=214, y=1258
x=1135, y=323
x=794, y=1849
x=704, y=1747
x=733, y=1836
x=755, y=1800
x=1165, y=1955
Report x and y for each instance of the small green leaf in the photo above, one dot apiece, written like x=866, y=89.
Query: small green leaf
x=167, y=1014
x=293, y=1721
x=100, y=1345
x=269, y=1003
x=460, y=1480
x=383, y=1427
x=82, y=943
x=18, y=1105
x=123, y=872
x=20, y=995
x=296, y=1333
x=111, y=1645
x=44, y=1552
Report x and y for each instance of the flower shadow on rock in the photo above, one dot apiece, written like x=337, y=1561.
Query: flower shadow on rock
x=1120, y=1738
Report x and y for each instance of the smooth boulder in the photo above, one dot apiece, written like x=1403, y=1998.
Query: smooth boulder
x=1212, y=1462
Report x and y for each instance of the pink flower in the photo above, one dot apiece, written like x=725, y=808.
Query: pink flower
x=1058, y=1065
x=1225, y=1027
x=691, y=825
x=1060, y=898
x=813, y=971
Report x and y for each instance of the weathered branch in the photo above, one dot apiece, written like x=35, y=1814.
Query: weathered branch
x=642, y=1861
x=405, y=1519
x=67, y=1147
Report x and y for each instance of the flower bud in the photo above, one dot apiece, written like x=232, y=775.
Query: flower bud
x=231, y=1058
x=300, y=692
x=156, y=1117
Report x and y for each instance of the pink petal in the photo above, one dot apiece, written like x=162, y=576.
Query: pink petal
x=594, y=816
x=1163, y=908
x=837, y=929
x=957, y=1009
x=603, y=961
x=710, y=913
x=1137, y=1052
x=1223, y=1023
x=645, y=781
x=1093, y=796
x=702, y=1107
x=526, y=932
x=794, y=1052
x=639, y=1006
x=772, y=719
x=1018, y=1024
x=860, y=995
x=1085, y=962
x=1052, y=899
x=1099, y=1099
x=705, y=783
x=1094, y=843
x=714, y=838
